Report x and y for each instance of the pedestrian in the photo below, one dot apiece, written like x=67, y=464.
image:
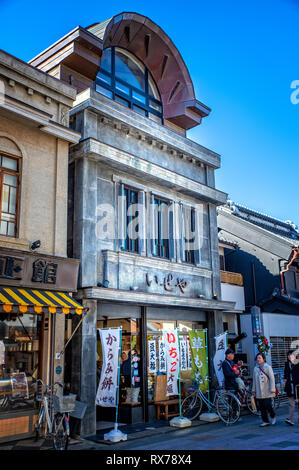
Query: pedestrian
x=263, y=388
x=230, y=372
x=291, y=379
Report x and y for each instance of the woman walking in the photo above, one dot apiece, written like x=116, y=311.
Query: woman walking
x=263, y=388
x=291, y=378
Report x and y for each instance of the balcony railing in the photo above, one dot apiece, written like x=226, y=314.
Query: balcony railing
x=235, y=279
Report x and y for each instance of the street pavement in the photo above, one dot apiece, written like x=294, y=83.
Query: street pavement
x=243, y=435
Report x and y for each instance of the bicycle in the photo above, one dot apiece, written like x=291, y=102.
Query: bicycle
x=53, y=418
x=225, y=404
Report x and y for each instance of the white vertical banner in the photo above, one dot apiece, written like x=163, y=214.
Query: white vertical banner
x=172, y=360
x=107, y=389
x=152, y=357
x=2, y=352
x=162, y=356
x=183, y=354
x=220, y=343
x=189, y=358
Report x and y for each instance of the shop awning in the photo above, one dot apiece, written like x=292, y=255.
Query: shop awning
x=17, y=300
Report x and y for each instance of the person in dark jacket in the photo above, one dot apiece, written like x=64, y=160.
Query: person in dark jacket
x=229, y=373
x=291, y=379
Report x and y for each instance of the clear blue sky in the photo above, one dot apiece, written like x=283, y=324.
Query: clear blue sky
x=242, y=57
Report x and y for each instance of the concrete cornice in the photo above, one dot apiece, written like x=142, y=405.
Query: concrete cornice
x=41, y=119
x=144, y=298
x=154, y=263
x=119, y=159
x=144, y=128
x=25, y=74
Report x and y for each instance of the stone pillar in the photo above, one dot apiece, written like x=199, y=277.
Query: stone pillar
x=215, y=261
x=215, y=327
x=84, y=371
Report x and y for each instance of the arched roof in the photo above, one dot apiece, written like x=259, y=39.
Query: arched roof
x=141, y=36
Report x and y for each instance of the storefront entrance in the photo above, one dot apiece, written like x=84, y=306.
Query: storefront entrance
x=138, y=375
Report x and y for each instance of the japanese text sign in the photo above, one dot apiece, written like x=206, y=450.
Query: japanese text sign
x=172, y=360
x=106, y=394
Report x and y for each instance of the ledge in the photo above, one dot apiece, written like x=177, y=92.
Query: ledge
x=144, y=298
x=121, y=160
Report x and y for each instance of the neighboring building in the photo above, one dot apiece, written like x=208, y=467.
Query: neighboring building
x=134, y=105
x=267, y=259
x=232, y=290
x=36, y=276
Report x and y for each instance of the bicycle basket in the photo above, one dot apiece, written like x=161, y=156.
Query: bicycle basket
x=64, y=403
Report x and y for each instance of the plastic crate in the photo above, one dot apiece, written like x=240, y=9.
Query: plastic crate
x=64, y=403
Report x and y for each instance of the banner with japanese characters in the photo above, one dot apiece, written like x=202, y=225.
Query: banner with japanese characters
x=162, y=356
x=199, y=372
x=107, y=389
x=172, y=360
x=183, y=354
x=152, y=357
x=189, y=360
x=220, y=343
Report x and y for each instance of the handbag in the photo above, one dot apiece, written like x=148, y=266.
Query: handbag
x=276, y=389
x=253, y=404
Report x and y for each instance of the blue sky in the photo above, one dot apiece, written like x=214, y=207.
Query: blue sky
x=242, y=57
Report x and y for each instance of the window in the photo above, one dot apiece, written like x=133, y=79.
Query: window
x=19, y=361
x=161, y=228
x=131, y=217
x=123, y=78
x=9, y=184
x=189, y=235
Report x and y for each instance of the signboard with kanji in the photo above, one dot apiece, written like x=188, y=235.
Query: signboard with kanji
x=172, y=360
x=199, y=372
x=107, y=389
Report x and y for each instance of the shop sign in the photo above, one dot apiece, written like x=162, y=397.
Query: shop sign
x=199, y=373
x=33, y=270
x=189, y=360
x=172, y=360
x=152, y=357
x=183, y=354
x=220, y=342
x=162, y=356
x=107, y=389
x=169, y=282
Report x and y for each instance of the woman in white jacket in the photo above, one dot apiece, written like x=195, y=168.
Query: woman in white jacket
x=263, y=388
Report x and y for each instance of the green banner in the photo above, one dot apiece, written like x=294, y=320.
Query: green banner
x=199, y=359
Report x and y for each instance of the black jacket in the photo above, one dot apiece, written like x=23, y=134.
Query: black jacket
x=229, y=375
x=291, y=374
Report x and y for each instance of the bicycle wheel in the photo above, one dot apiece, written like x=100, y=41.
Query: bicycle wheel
x=228, y=407
x=191, y=406
x=60, y=432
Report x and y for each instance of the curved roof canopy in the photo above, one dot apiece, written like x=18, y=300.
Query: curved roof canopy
x=141, y=36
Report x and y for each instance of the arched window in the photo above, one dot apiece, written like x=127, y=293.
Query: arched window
x=123, y=78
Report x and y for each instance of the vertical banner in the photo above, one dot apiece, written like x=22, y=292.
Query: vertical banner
x=162, y=356
x=110, y=340
x=172, y=360
x=183, y=354
x=220, y=343
x=199, y=373
x=189, y=360
x=152, y=357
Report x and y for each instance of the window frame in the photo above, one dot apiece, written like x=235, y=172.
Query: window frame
x=17, y=173
x=116, y=93
x=157, y=248
x=128, y=244
x=189, y=254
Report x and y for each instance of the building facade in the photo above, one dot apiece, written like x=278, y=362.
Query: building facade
x=142, y=203
x=36, y=276
x=266, y=258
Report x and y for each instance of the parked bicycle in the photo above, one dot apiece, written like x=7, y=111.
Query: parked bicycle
x=225, y=404
x=53, y=418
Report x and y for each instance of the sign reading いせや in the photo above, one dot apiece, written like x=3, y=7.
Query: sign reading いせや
x=107, y=389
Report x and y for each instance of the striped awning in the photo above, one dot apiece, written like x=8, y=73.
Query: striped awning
x=17, y=300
